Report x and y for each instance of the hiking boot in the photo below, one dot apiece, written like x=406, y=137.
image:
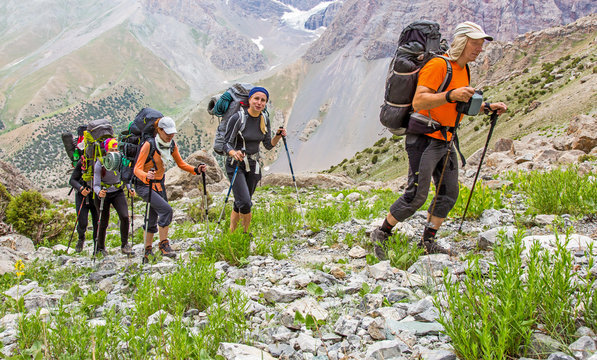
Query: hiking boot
x=79, y=246
x=146, y=256
x=166, y=250
x=380, y=239
x=102, y=252
x=432, y=247
x=127, y=250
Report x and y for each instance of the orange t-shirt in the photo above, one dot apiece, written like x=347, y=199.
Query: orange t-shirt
x=142, y=167
x=431, y=76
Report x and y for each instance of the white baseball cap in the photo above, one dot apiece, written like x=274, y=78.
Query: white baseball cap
x=167, y=124
x=471, y=30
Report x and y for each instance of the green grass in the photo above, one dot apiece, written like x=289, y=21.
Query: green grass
x=560, y=191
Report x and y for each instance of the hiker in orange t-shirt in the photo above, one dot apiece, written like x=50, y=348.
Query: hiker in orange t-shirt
x=426, y=152
x=151, y=170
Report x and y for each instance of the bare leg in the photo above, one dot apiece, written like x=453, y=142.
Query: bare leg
x=246, y=220
x=234, y=218
x=434, y=222
x=148, y=239
x=163, y=231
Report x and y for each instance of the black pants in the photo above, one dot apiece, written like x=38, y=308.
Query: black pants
x=426, y=157
x=88, y=207
x=118, y=200
x=244, y=185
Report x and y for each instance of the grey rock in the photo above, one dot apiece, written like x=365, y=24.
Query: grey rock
x=99, y=275
x=560, y=356
x=584, y=331
x=429, y=315
x=431, y=265
x=544, y=219
x=232, y=351
x=331, y=337
x=357, y=252
x=20, y=243
x=393, y=313
x=346, y=325
x=542, y=345
x=491, y=217
x=106, y=285
x=377, y=329
x=583, y=348
x=380, y=271
x=384, y=350
x=281, y=295
x=420, y=306
x=417, y=327
x=438, y=355
x=490, y=237
x=307, y=343
x=371, y=302
x=278, y=350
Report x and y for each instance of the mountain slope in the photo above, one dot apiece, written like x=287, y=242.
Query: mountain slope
x=351, y=59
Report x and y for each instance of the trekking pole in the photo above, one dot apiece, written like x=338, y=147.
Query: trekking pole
x=205, y=196
x=76, y=222
x=146, y=219
x=298, y=199
x=448, y=153
x=132, y=218
x=227, y=195
x=493, y=122
x=99, y=221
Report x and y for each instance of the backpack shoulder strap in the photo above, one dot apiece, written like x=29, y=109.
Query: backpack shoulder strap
x=152, y=149
x=448, y=77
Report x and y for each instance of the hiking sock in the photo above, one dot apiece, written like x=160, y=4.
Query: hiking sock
x=386, y=227
x=429, y=234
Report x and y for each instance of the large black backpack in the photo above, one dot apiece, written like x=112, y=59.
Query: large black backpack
x=130, y=140
x=419, y=42
x=224, y=106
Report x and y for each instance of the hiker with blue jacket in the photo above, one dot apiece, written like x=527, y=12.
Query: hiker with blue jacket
x=427, y=152
x=242, y=146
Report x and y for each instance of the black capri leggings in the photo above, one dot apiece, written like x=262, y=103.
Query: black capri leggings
x=244, y=185
x=118, y=200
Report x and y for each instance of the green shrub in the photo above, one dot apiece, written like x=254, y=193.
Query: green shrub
x=499, y=305
x=402, y=252
x=374, y=159
x=560, y=191
x=483, y=198
x=380, y=142
x=31, y=215
x=234, y=248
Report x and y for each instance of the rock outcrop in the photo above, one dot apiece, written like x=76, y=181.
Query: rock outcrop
x=180, y=183
x=324, y=181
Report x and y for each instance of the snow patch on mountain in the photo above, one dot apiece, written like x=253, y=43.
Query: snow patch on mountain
x=258, y=42
x=296, y=18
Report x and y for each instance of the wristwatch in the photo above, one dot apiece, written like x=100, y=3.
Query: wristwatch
x=487, y=108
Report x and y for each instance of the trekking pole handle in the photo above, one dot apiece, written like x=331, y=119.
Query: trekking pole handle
x=279, y=132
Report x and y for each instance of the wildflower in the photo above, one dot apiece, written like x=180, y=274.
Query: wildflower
x=19, y=267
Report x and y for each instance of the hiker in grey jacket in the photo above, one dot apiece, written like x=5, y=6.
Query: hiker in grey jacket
x=108, y=187
x=245, y=132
